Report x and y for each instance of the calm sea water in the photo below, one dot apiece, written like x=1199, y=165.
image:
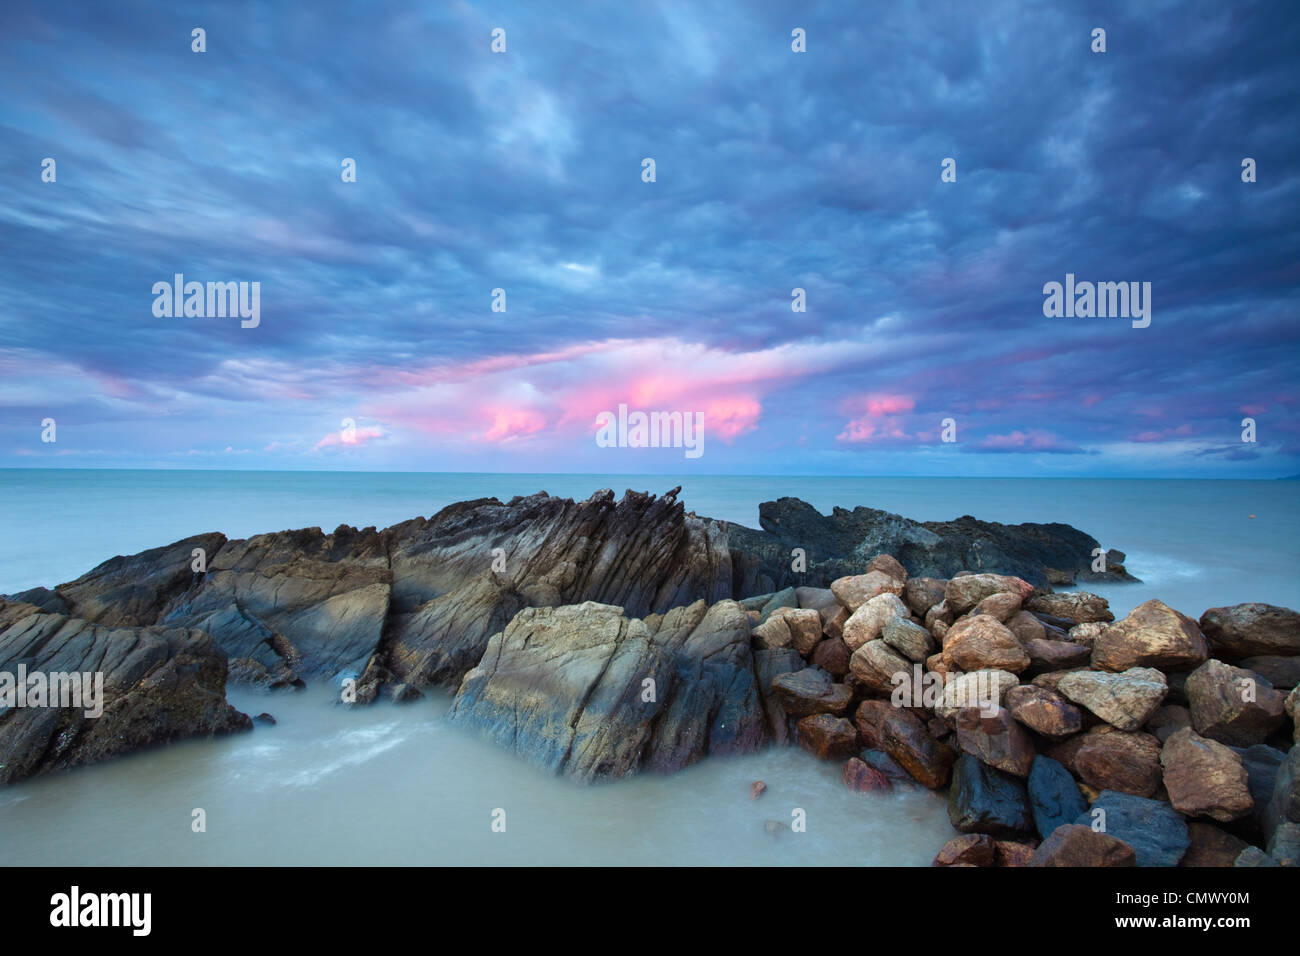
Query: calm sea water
x=398, y=785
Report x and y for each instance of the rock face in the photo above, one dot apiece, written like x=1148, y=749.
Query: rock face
x=159, y=684
x=1204, y=778
x=1248, y=630
x=565, y=688
x=845, y=541
x=1153, y=635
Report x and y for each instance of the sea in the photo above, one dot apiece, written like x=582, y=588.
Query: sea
x=397, y=785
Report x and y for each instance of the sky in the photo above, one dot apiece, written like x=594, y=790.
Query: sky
x=377, y=346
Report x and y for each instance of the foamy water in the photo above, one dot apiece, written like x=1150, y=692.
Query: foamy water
x=396, y=784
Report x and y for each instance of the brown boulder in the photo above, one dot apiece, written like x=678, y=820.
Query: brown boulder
x=827, y=737
x=965, y=591
x=1152, y=635
x=1204, y=778
x=903, y=735
x=832, y=655
x=1077, y=606
x=971, y=849
x=1233, y=705
x=857, y=589
x=1110, y=759
x=1250, y=630
x=1077, y=845
x=982, y=642
x=1044, y=711
x=1126, y=700
x=861, y=777
x=997, y=740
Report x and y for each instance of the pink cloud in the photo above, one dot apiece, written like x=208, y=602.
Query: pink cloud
x=1030, y=440
x=351, y=437
x=511, y=423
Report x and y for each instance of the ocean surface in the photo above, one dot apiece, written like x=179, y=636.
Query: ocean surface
x=397, y=785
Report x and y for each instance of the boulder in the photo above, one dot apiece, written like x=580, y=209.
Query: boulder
x=1044, y=711
x=1047, y=655
x=827, y=737
x=997, y=740
x=768, y=665
x=1015, y=853
x=868, y=622
x=985, y=689
x=888, y=564
x=911, y=640
x=861, y=777
x=1004, y=605
x=832, y=655
x=1026, y=627
x=1110, y=759
x=856, y=590
x=810, y=691
x=1284, y=844
x=1284, y=805
x=1211, y=846
x=983, y=643
x=1233, y=705
x=963, y=592
x=1086, y=634
x=1254, y=856
x=982, y=799
x=565, y=688
x=1153, y=828
x=973, y=849
x=1125, y=700
x=1053, y=796
x=903, y=735
x=921, y=594
x=1250, y=630
x=875, y=663
x=1076, y=845
x=1282, y=672
x=1168, y=719
x=1078, y=607
x=142, y=686
x=1204, y=778
x=1152, y=635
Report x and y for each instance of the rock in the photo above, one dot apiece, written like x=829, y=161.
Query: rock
x=1211, y=846
x=1053, y=796
x=1014, y=853
x=1250, y=630
x=810, y=691
x=1262, y=764
x=1282, y=672
x=1125, y=700
x=1077, y=845
x=1153, y=828
x=986, y=689
x=1284, y=845
x=264, y=718
x=911, y=640
x=834, y=626
x=1254, y=856
x=940, y=615
x=875, y=663
x=827, y=737
x=1077, y=607
x=997, y=740
x=773, y=632
x=1284, y=805
x=832, y=655
x=1290, y=705
x=1204, y=778
x=1056, y=655
x=962, y=593
x=757, y=789
x=921, y=594
x=1026, y=628
x=1044, y=711
x=879, y=760
x=868, y=622
x=158, y=685
x=768, y=665
x=1232, y=705
x=1168, y=720
x=785, y=599
x=983, y=643
x=858, y=589
x=564, y=687
x=888, y=564
x=1110, y=759
x=805, y=626
x=821, y=600
x=861, y=777
x=903, y=735
x=983, y=799
x=935, y=549
x=974, y=849
x=1004, y=605
x=1087, y=633
x=1152, y=635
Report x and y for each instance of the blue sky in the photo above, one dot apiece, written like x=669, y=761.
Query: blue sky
x=522, y=171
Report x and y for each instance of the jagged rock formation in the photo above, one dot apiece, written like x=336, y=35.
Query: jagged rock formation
x=159, y=684
x=841, y=544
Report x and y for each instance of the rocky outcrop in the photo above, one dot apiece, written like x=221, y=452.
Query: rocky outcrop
x=842, y=543
x=586, y=691
x=156, y=685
